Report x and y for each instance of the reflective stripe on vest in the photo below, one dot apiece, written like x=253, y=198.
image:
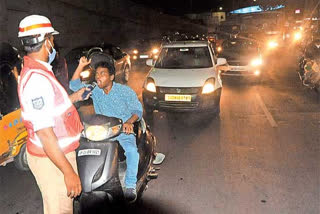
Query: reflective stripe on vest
x=63, y=142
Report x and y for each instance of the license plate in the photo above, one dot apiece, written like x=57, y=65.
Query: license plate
x=86, y=152
x=144, y=56
x=238, y=68
x=178, y=97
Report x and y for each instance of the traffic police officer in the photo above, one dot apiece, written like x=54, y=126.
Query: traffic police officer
x=51, y=119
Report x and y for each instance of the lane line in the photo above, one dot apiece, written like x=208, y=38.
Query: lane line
x=272, y=122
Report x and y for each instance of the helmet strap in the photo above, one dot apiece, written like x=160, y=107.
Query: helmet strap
x=50, y=45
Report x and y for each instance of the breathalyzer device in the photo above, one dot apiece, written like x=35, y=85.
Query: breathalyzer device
x=88, y=90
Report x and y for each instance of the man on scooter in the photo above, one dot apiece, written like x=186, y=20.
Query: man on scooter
x=115, y=100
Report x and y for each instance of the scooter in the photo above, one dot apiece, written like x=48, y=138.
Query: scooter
x=101, y=162
x=309, y=78
x=301, y=64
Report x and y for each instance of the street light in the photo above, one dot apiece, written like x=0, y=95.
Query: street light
x=220, y=8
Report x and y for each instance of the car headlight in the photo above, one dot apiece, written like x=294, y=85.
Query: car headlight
x=101, y=132
x=273, y=44
x=256, y=62
x=135, y=51
x=297, y=36
x=155, y=50
x=208, y=86
x=85, y=74
x=150, y=85
x=257, y=72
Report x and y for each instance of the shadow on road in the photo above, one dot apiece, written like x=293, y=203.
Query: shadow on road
x=141, y=206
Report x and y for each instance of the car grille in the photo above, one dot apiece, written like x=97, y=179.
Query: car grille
x=173, y=90
x=238, y=72
x=237, y=63
x=179, y=105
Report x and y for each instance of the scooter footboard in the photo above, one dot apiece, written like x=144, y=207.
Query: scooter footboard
x=97, y=163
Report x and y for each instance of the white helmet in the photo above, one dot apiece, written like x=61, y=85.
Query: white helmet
x=35, y=25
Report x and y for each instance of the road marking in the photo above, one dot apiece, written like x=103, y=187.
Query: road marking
x=266, y=112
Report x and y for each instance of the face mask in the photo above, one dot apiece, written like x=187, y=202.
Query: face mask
x=51, y=55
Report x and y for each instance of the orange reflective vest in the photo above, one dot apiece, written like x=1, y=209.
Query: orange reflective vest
x=67, y=125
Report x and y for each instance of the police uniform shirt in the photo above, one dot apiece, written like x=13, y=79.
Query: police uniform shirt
x=38, y=100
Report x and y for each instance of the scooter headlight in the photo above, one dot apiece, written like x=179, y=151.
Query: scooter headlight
x=101, y=132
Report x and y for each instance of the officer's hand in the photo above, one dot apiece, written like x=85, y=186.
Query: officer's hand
x=78, y=94
x=83, y=62
x=128, y=128
x=84, y=90
x=73, y=184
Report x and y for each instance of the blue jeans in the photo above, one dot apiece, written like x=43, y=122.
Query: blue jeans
x=128, y=143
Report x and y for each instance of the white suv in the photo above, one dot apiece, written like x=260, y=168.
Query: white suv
x=184, y=78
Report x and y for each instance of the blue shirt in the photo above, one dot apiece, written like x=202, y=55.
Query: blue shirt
x=121, y=102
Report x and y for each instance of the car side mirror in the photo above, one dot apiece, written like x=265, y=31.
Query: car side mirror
x=221, y=61
x=150, y=62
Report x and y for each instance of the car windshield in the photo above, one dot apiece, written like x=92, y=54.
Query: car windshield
x=233, y=49
x=184, y=58
x=240, y=46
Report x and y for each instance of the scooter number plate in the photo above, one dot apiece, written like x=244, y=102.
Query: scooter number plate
x=86, y=152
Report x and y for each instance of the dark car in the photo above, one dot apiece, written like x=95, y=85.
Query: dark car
x=121, y=60
x=243, y=56
x=143, y=49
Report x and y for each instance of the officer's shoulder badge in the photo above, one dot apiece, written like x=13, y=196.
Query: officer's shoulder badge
x=38, y=103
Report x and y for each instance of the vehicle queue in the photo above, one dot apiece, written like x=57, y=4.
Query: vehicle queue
x=169, y=86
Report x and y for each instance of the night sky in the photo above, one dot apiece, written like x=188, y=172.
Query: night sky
x=180, y=7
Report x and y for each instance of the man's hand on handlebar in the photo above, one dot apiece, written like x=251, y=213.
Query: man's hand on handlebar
x=127, y=128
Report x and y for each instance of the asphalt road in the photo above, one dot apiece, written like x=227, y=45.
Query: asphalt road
x=261, y=156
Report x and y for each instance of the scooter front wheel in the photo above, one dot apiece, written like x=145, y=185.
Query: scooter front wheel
x=76, y=206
